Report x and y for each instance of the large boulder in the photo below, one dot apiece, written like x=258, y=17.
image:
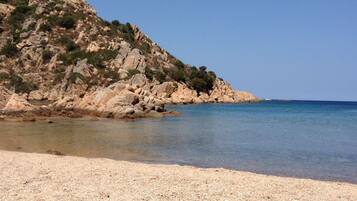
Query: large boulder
x=124, y=98
x=18, y=103
x=135, y=60
x=37, y=95
x=164, y=90
x=139, y=80
x=82, y=68
x=183, y=94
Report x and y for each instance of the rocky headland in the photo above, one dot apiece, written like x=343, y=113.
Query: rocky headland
x=59, y=58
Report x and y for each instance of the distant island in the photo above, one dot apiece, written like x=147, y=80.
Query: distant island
x=60, y=58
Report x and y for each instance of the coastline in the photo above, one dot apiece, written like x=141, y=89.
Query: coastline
x=30, y=176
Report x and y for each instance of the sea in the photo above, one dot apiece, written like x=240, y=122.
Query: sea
x=304, y=139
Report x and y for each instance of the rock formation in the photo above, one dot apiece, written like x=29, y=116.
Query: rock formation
x=60, y=53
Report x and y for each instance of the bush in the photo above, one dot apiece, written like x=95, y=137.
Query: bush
x=9, y=49
x=46, y=56
x=72, y=57
x=128, y=33
x=45, y=27
x=106, y=23
x=97, y=59
x=160, y=76
x=145, y=47
x=67, y=22
x=4, y=76
x=21, y=2
x=179, y=64
x=201, y=80
x=20, y=13
x=149, y=73
x=111, y=74
x=177, y=74
x=126, y=28
x=59, y=74
x=116, y=23
x=74, y=76
x=20, y=86
x=132, y=72
x=69, y=44
x=198, y=84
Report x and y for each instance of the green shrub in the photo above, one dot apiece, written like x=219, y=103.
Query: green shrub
x=212, y=74
x=111, y=74
x=18, y=16
x=67, y=22
x=10, y=49
x=20, y=13
x=46, y=56
x=15, y=2
x=70, y=58
x=198, y=84
x=116, y=23
x=126, y=28
x=21, y=2
x=145, y=47
x=51, y=6
x=179, y=64
x=4, y=76
x=177, y=74
x=45, y=27
x=74, y=76
x=201, y=80
x=132, y=72
x=97, y=59
x=106, y=23
x=128, y=33
x=20, y=85
x=69, y=44
x=149, y=73
x=59, y=74
x=160, y=76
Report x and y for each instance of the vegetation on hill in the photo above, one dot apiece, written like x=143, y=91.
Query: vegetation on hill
x=58, y=25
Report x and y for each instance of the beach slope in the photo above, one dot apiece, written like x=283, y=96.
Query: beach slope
x=47, y=177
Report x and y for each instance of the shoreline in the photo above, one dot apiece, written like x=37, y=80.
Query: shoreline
x=31, y=176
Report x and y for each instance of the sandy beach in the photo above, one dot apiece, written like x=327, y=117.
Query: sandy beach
x=48, y=177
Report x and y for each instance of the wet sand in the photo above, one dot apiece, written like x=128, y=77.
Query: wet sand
x=48, y=177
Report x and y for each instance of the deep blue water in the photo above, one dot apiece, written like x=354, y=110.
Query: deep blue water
x=291, y=138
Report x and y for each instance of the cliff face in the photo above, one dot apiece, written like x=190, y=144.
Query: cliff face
x=60, y=54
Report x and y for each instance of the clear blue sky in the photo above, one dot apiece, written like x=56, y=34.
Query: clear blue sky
x=302, y=49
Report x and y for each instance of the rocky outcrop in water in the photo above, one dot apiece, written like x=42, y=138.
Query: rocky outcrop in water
x=59, y=54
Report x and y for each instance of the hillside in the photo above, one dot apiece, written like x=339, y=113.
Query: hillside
x=59, y=55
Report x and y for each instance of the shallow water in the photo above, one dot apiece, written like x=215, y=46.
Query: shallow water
x=291, y=138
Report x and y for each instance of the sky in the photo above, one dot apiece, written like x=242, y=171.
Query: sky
x=277, y=49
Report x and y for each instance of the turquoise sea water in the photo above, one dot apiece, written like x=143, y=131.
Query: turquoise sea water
x=290, y=138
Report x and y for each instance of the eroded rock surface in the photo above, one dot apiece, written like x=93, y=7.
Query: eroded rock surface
x=18, y=103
